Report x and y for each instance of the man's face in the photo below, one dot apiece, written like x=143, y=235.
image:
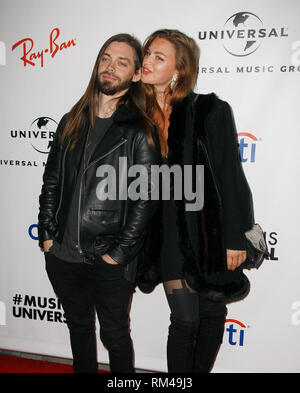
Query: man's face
x=116, y=69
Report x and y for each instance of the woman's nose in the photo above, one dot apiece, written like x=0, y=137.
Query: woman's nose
x=147, y=60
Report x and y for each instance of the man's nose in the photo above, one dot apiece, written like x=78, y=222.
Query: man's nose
x=111, y=67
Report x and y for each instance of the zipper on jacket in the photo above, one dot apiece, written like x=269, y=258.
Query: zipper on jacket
x=124, y=140
x=62, y=181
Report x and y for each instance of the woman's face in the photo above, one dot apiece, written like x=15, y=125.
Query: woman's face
x=159, y=64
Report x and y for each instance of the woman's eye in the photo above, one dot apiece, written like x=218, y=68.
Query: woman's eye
x=159, y=58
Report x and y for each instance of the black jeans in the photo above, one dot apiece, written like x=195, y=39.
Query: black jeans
x=196, y=329
x=82, y=289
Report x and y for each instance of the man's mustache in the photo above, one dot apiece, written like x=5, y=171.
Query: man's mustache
x=108, y=74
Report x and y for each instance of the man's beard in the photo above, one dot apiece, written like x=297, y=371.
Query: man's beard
x=110, y=88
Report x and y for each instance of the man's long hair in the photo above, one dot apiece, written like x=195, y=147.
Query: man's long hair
x=88, y=105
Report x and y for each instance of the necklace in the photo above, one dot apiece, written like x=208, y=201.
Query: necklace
x=105, y=113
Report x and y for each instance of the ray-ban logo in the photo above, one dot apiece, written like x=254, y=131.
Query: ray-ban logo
x=32, y=56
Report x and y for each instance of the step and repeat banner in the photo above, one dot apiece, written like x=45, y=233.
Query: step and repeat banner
x=250, y=57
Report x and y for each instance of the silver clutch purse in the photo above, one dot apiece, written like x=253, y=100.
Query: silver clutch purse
x=256, y=248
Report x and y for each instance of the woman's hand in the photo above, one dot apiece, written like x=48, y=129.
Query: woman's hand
x=108, y=259
x=47, y=244
x=235, y=258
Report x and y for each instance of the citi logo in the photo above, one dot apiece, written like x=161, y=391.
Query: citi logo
x=235, y=332
x=32, y=232
x=247, y=146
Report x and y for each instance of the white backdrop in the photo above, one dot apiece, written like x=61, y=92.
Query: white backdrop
x=250, y=57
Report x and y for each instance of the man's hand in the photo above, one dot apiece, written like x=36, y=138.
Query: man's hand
x=108, y=259
x=235, y=258
x=47, y=244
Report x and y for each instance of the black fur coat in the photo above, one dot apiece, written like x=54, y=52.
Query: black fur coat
x=202, y=132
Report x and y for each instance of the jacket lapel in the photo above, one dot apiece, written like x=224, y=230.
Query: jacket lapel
x=115, y=134
x=112, y=138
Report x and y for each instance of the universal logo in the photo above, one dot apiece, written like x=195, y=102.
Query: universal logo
x=243, y=34
x=39, y=135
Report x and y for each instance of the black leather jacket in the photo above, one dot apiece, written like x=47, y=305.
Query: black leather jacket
x=117, y=227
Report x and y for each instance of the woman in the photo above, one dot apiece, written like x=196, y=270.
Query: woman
x=199, y=252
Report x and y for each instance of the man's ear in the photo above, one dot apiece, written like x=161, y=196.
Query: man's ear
x=137, y=76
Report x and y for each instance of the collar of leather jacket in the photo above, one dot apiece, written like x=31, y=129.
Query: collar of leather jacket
x=126, y=114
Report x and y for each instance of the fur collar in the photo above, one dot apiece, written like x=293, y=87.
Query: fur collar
x=126, y=114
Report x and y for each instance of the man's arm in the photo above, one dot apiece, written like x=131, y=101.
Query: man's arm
x=50, y=191
x=140, y=212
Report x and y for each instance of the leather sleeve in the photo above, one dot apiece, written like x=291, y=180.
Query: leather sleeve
x=50, y=192
x=140, y=211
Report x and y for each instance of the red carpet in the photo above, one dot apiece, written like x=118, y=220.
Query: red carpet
x=14, y=364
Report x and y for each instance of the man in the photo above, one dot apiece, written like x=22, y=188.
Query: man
x=90, y=237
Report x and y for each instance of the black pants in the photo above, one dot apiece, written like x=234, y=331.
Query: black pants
x=82, y=289
x=196, y=329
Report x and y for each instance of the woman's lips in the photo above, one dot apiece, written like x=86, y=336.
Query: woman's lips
x=146, y=71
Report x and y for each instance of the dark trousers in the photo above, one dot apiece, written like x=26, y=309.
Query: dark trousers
x=195, y=332
x=84, y=289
